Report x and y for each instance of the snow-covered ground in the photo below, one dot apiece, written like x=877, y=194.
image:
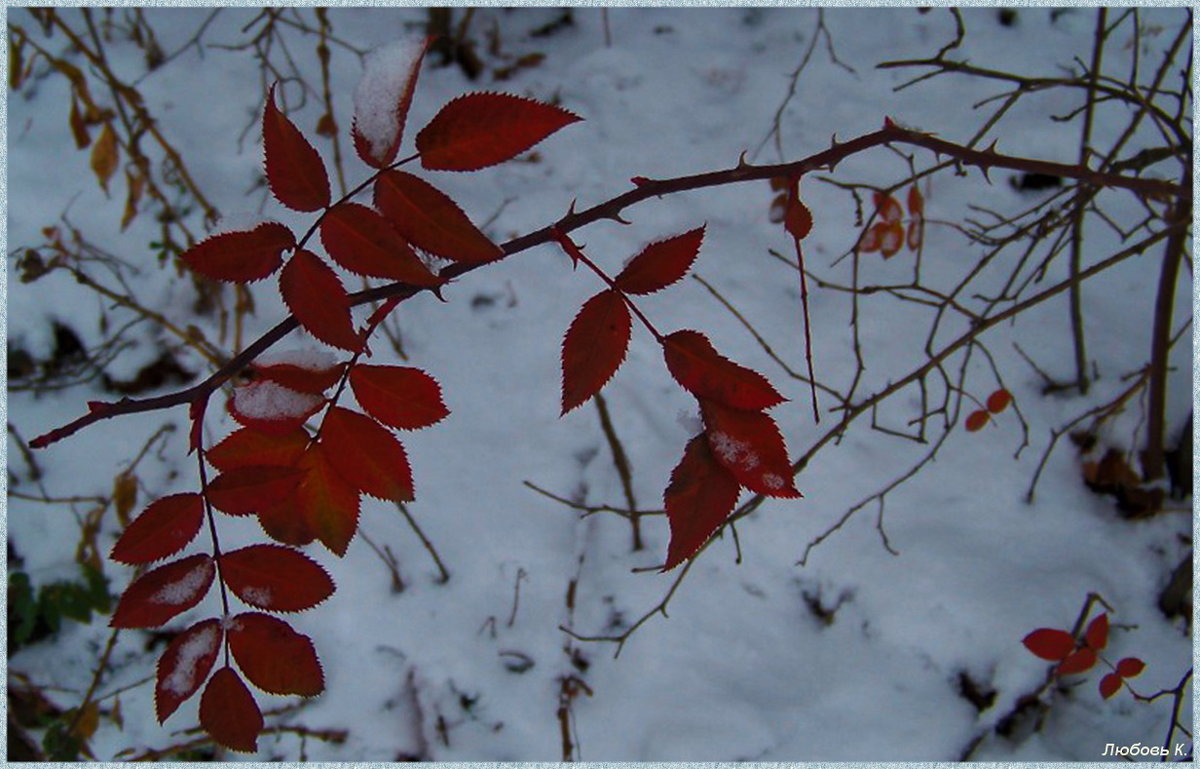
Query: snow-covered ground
x=867, y=650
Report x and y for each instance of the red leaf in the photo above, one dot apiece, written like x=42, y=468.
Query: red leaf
x=229, y=713
x=185, y=665
x=891, y=238
x=157, y=596
x=425, y=217
x=164, y=528
x=594, y=347
x=699, y=497
x=998, y=401
x=701, y=370
x=1050, y=644
x=275, y=578
x=250, y=447
x=361, y=240
x=242, y=256
x=251, y=488
x=916, y=203
x=316, y=297
x=275, y=657
x=1077, y=662
x=749, y=445
x=916, y=234
x=1130, y=667
x=887, y=208
x=271, y=408
x=872, y=238
x=398, y=396
x=477, y=130
x=1110, y=685
x=390, y=78
x=1096, y=635
x=977, y=420
x=324, y=507
x=305, y=373
x=295, y=171
x=660, y=264
x=797, y=219
x=366, y=455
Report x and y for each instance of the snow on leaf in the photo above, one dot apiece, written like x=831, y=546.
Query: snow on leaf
x=477, y=130
x=295, y=172
x=399, y=396
x=382, y=99
x=749, y=444
x=699, y=497
x=157, y=596
x=304, y=370
x=185, y=665
x=315, y=295
x=1050, y=644
x=164, y=528
x=365, y=243
x=366, y=455
x=594, y=347
x=251, y=488
x=891, y=238
x=271, y=408
x=229, y=713
x=660, y=264
x=431, y=221
x=241, y=256
x=887, y=208
x=250, y=447
x=701, y=370
x=274, y=656
x=916, y=234
x=275, y=578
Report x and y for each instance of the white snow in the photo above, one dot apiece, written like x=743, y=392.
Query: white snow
x=856, y=655
x=263, y=399
x=733, y=451
x=182, y=678
x=257, y=596
x=184, y=589
x=310, y=359
x=386, y=73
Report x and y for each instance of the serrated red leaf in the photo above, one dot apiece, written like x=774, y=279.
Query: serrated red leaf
x=399, y=396
x=372, y=114
x=431, y=221
x=229, y=713
x=915, y=235
x=916, y=202
x=1078, y=661
x=1130, y=667
x=274, y=656
x=749, y=445
x=271, y=408
x=164, y=528
x=704, y=372
x=477, y=130
x=324, y=506
x=315, y=295
x=660, y=264
x=275, y=578
x=185, y=665
x=998, y=401
x=1110, y=685
x=314, y=378
x=251, y=488
x=365, y=243
x=1096, y=635
x=594, y=347
x=977, y=420
x=887, y=208
x=242, y=256
x=158, y=595
x=1050, y=644
x=295, y=172
x=797, y=219
x=699, y=497
x=367, y=455
x=891, y=238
